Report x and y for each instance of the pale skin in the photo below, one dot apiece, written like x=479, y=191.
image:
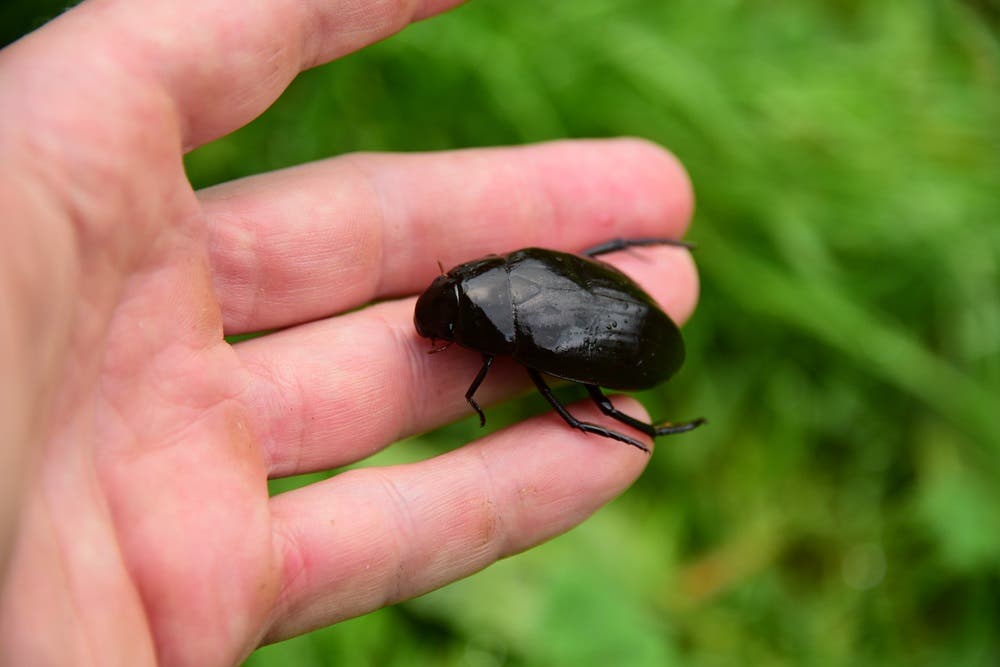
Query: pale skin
x=135, y=443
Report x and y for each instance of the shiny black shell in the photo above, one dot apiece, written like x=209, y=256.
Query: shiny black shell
x=562, y=314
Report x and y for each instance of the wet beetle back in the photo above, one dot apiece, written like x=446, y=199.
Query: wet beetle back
x=560, y=314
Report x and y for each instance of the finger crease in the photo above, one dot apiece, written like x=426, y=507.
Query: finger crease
x=406, y=538
x=496, y=534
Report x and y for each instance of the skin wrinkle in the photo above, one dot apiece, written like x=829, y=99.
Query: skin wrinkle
x=383, y=184
x=304, y=417
x=359, y=590
x=365, y=165
x=480, y=511
x=313, y=29
x=364, y=21
x=373, y=233
x=386, y=423
x=173, y=394
x=286, y=410
x=255, y=250
x=400, y=416
x=139, y=448
x=289, y=555
x=240, y=245
x=144, y=271
x=496, y=532
x=284, y=397
x=274, y=58
x=354, y=424
x=162, y=364
x=369, y=404
x=316, y=25
x=252, y=239
x=418, y=362
x=416, y=367
x=379, y=228
x=405, y=534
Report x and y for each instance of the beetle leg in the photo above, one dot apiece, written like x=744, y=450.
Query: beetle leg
x=652, y=430
x=604, y=403
x=587, y=427
x=487, y=362
x=667, y=428
x=621, y=244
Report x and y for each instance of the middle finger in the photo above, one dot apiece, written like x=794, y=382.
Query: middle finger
x=331, y=392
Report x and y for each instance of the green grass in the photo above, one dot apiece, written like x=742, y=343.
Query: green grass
x=843, y=507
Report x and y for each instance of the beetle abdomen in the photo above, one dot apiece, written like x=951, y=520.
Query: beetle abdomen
x=585, y=321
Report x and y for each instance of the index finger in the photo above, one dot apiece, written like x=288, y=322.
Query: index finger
x=220, y=62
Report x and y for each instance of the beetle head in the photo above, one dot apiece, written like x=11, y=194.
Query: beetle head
x=437, y=309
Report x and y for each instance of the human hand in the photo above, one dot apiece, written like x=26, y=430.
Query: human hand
x=135, y=523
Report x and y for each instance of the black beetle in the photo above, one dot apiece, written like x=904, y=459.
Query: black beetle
x=565, y=315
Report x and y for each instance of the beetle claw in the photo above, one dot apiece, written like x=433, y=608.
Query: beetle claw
x=667, y=428
x=439, y=348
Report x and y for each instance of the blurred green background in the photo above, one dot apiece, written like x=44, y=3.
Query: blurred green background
x=843, y=506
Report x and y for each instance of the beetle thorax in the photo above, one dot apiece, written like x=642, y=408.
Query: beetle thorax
x=485, y=320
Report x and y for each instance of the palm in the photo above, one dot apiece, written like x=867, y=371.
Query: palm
x=152, y=448
x=183, y=475
x=145, y=527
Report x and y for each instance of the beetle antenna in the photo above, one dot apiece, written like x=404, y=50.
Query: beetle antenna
x=441, y=266
x=439, y=348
